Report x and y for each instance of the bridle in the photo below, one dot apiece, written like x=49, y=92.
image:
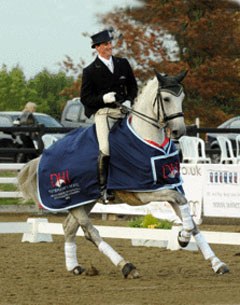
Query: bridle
x=160, y=103
x=160, y=106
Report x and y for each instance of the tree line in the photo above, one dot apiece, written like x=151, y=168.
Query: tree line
x=47, y=90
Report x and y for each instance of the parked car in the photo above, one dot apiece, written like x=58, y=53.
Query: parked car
x=211, y=138
x=73, y=115
x=20, y=139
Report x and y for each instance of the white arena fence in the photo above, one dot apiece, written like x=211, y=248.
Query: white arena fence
x=40, y=230
x=14, y=167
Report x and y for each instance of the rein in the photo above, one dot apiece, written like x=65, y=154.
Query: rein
x=141, y=115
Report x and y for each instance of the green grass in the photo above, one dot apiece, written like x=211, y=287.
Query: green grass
x=150, y=221
x=10, y=201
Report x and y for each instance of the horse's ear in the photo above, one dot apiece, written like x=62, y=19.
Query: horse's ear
x=160, y=77
x=181, y=76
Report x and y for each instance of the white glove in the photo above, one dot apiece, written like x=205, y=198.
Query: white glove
x=109, y=97
x=127, y=103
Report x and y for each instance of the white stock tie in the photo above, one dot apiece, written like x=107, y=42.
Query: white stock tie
x=110, y=66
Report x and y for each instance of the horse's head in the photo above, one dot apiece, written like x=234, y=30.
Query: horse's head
x=168, y=103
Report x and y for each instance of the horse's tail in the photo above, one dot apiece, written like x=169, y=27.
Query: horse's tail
x=27, y=180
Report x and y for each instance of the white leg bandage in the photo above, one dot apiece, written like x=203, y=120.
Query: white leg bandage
x=70, y=255
x=110, y=253
x=204, y=246
x=186, y=217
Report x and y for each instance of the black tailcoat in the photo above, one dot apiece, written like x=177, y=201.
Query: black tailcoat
x=98, y=80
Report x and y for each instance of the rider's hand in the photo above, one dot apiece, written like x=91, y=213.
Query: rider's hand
x=109, y=97
x=127, y=104
x=125, y=107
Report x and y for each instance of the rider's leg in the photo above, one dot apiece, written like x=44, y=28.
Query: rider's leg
x=104, y=120
x=102, y=130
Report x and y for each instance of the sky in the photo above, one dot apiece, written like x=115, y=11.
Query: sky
x=37, y=34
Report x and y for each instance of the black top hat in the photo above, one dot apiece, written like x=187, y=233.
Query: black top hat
x=103, y=36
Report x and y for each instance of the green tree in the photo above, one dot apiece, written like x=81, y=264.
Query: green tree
x=13, y=88
x=47, y=90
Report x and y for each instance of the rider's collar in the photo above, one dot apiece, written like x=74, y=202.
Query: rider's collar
x=106, y=61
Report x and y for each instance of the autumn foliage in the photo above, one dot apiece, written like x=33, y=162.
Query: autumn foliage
x=201, y=36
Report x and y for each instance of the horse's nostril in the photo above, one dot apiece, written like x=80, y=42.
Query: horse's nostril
x=174, y=133
x=177, y=133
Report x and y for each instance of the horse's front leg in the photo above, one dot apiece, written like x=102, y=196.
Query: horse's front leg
x=182, y=209
x=184, y=237
x=91, y=233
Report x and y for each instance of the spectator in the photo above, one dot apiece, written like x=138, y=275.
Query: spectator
x=26, y=138
x=27, y=117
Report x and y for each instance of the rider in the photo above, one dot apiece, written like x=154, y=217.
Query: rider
x=106, y=80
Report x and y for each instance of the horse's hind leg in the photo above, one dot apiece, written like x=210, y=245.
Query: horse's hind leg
x=184, y=213
x=92, y=234
x=70, y=227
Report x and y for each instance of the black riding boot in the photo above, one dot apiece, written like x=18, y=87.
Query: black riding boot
x=103, y=164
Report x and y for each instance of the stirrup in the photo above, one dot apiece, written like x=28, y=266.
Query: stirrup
x=104, y=196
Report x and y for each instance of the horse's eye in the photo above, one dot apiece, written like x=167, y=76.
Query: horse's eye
x=166, y=99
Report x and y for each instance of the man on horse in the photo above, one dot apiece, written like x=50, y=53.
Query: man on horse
x=106, y=80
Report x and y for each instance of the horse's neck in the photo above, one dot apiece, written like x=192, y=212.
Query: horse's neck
x=144, y=129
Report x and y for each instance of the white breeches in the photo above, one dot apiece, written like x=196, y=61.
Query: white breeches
x=104, y=120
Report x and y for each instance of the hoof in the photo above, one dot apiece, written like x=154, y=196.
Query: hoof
x=129, y=271
x=183, y=241
x=222, y=269
x=78, y=270
x=219, y=267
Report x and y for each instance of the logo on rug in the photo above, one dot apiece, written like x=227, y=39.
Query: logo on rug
x=60, y=179
x=170, y=170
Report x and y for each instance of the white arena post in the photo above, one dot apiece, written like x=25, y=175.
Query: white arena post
x=34, y=236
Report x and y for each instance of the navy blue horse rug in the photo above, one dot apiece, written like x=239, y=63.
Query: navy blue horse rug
x=67, y=173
